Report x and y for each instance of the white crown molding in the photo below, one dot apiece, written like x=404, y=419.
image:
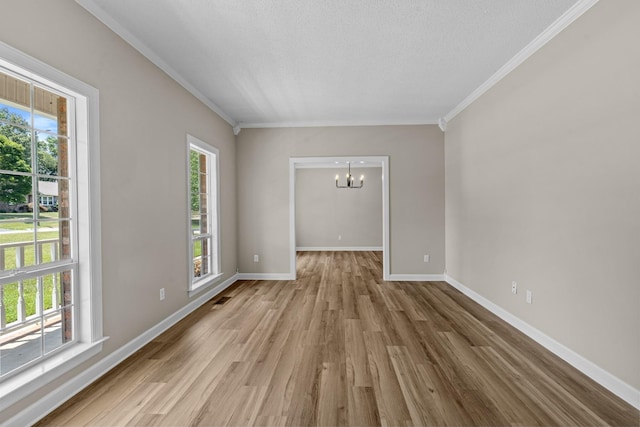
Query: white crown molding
x=337, y=123
x=590, y=369
x=442, y=124
x=107, y=20
x=554, y=29
x=38, y=410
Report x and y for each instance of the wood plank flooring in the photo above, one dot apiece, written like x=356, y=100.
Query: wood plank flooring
x=339, y=346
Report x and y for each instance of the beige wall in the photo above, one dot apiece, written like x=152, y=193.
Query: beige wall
x=416, y=169
x=324, y=212
x=543, y=185
x=144, y=119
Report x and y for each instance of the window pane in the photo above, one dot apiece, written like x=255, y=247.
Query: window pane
x=53, y=195
x=10, y=115
x=16, y=89
x=53, y=244
x=197, y=252
x=203, y=224
x=206, y=259
x=53, y=155
x=16, y=243
x=206, y=244
x=205, y=265
x=19, y=349
x=54, y=336
x=203, y=163
x=58, y=310
x=14, y=189
x=194, y=181
x=195, y=224
x=20, y=341
x=203, y=203
x=50, y=111
x=35, y=319
x=15, y=150
x=203, y=183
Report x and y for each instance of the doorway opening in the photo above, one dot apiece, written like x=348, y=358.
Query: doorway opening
x=381, y=162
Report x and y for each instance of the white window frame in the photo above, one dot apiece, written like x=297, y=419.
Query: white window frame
x=213, y=198
x=88, y=338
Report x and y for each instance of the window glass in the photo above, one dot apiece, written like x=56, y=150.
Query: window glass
x=203, y=212
x=37, y=223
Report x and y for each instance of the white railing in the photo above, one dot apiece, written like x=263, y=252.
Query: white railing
x=19, y=253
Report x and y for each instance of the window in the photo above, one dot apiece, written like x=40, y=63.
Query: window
x=204, y=241
x=50, y=308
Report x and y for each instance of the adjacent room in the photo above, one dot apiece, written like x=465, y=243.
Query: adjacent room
x=319, y=212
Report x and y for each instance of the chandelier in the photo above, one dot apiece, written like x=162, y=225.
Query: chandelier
x=350, y=184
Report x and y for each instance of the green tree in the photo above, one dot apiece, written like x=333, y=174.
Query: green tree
x=17, y=130
x=13, y=188
x=195, y=183
x=48, y=156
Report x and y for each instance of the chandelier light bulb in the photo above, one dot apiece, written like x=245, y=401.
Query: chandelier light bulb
x=350, y=180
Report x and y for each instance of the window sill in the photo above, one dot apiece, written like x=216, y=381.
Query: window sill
x=204, y=284
x=18, y=387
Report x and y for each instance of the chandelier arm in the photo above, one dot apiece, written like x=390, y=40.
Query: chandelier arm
x=350, y=184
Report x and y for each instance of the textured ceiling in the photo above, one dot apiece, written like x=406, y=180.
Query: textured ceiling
x=300, y=62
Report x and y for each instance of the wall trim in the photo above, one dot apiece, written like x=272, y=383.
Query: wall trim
x=337, y=248
x=573, y=13
x=417, y=277
x=612, y=383
x=38, y=410
x=265, y=276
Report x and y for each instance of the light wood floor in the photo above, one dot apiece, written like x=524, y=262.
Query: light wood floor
x=341, y=347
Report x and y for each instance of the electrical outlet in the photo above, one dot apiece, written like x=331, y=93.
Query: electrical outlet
x=529, y=296
x=339, y=236
x=256, y=258
x=427, y=258
x=514, y=287
x=161, y=294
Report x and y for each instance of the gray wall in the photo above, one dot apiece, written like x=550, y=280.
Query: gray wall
x=543, y=184
x=416, y=168
x=144, y=119
x=324, y=212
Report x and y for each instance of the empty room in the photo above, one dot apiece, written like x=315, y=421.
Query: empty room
x=319, y=212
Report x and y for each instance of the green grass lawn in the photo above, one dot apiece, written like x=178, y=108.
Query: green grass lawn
x=20, y=221
x=10, y=300
x=30, y=291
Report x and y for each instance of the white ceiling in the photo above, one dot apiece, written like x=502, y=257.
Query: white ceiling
x=331, y=62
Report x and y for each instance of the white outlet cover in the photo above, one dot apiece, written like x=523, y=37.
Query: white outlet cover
x=529, y=296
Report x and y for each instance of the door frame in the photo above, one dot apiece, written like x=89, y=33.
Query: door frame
x=333, y=162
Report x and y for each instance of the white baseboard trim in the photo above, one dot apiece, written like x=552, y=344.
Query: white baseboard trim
x=51, y=401
x=264, y=276
x=593, y=371
x=416, y=277
x=338, y=248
